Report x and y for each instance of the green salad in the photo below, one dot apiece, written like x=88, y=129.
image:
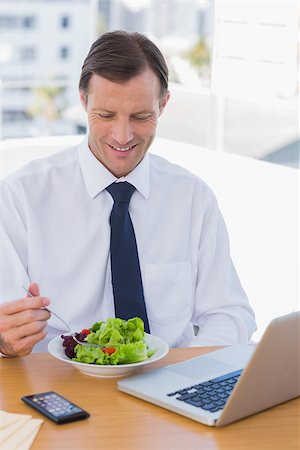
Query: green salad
x=121, y=342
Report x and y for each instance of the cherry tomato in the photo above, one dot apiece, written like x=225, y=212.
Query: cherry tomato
x=85, y=331
x=109, y=350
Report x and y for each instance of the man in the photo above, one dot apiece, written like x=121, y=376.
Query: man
x=55, y=221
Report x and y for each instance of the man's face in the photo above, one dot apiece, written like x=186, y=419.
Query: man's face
x=122, y=119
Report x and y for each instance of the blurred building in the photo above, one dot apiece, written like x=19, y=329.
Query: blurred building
x=42, y=43
x=246, y=102
x=159, y=18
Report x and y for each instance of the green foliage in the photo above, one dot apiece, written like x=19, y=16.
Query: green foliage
x=101, y=25
x=45, y=102
x=199, y=54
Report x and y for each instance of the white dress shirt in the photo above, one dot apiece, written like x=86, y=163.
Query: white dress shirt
x=54, y=230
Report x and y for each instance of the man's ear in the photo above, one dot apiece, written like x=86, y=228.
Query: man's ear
x=83, y=99
x=163, y=102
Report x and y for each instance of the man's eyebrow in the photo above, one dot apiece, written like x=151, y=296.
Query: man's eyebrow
x=99, y=108
x=108, y=111
x=146, y=111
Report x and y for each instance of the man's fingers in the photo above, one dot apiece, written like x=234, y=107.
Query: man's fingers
x=25, y=330
x=27, y=343
x=32, y=315
x=34, y=289
x=21, y=346
x=23, y=304
x=23, y=323
x=14, y=322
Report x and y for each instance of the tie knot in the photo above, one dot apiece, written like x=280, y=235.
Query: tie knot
x=121, y=192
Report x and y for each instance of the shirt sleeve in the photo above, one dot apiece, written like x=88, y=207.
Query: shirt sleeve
x=13, y=244
x=222, y=312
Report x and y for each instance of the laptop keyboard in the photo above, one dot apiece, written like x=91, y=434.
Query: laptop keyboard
x=210, y=395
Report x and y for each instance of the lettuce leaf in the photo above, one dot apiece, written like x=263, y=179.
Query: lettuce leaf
x=124, y=354
x=126, y=336
x=117, y=331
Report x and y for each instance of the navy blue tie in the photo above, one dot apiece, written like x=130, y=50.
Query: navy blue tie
x=125, y=267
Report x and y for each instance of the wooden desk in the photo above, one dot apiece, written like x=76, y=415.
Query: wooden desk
x=120, y=421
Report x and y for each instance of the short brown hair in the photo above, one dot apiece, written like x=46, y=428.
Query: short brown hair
x=119, y=56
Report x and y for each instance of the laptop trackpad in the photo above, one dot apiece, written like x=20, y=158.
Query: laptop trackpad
x=203, y=366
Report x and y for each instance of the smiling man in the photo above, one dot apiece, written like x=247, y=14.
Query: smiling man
x=107, y=229
x=122, y=119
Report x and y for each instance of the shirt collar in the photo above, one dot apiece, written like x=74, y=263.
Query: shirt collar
x=97, y=177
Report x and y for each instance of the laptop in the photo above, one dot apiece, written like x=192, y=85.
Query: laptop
x=229, y=384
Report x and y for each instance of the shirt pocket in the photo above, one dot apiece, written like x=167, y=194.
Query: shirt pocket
x=168, y=292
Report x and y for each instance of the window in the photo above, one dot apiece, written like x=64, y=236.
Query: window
x=28, y=22
x=11, y=22
x=65, y=22
x=8, y=22
x=64, y=52
x=27, y=54
x=12, y=115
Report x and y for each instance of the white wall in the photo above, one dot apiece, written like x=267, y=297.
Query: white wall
x=259, y=201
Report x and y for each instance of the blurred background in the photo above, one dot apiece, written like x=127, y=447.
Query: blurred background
x=233, y=116
x=233, y=69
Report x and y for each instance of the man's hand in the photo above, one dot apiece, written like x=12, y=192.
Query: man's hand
x=22, y=323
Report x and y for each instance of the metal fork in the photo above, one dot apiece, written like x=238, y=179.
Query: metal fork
x=65, y=324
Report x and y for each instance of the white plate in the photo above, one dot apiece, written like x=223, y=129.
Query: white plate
x=56, y=349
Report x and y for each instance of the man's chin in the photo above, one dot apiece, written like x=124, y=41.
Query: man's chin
x=122, y=170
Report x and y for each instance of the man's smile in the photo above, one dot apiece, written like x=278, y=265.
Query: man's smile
x=122, y=149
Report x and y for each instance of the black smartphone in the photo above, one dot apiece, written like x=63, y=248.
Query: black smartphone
x=55, y=407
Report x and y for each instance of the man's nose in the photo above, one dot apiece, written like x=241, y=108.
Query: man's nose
x=122, y=132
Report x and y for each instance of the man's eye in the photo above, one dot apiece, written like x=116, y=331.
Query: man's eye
x=105, y=116
x=141, y=118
